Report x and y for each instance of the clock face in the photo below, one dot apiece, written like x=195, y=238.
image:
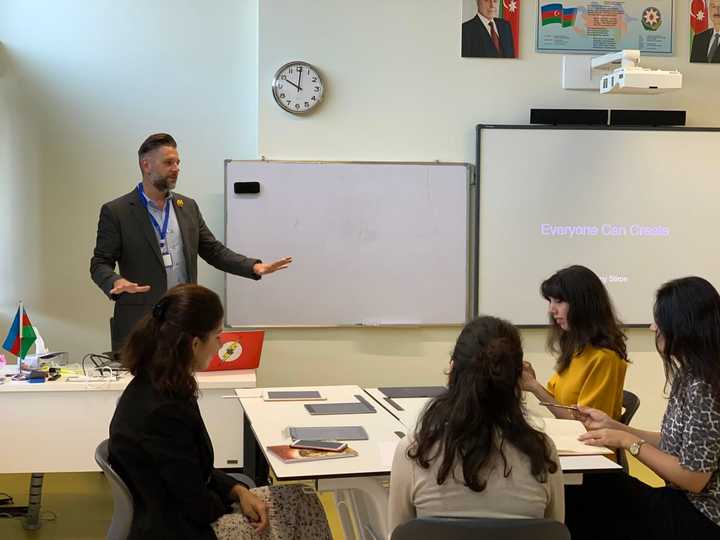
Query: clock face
x=298, y=87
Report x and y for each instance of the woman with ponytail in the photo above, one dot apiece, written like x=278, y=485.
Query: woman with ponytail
x=159, y=445
x=473, y=453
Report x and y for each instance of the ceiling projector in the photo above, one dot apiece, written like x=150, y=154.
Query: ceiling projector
x=637, y=80
x=633, y=79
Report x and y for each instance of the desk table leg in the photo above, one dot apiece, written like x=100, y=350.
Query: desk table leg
x=254, y=463
x=32, y=520
x=573, y=479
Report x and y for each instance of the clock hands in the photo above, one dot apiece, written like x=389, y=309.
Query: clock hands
x=295, y=85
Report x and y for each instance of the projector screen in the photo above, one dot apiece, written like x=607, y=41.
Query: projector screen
x=637, y=206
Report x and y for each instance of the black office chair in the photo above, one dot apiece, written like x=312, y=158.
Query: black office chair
x=122, y=498
x=442, y=528
x=631, y=403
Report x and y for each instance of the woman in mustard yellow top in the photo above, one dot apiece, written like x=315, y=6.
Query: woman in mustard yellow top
x=588, y=342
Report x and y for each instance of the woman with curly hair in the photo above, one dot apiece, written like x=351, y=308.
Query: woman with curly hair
x=473, y=453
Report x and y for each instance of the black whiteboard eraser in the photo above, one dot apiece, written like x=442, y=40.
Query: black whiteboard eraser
x=242, y=188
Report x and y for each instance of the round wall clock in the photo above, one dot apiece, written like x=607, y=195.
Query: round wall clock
x=298, y=87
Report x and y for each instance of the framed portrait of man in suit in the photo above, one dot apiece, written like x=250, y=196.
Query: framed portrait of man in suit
x=705, y=31
x=490, y=28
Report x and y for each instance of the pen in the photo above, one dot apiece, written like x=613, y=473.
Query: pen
x=549, y=404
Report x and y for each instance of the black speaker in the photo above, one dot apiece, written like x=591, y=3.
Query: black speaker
x=569, y=117
x=246, y=188
x=646, y=118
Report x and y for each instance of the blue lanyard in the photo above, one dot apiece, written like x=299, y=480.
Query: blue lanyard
x=161, y=231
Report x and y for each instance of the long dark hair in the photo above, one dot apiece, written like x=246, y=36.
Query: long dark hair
x=591, y=317
x=481, y=409
x=687, y=315
x=160, y=345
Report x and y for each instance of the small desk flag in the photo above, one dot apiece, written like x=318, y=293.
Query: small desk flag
x=21, y=335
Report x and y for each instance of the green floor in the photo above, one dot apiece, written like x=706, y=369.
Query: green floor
x=75, y=506
x=78, y=506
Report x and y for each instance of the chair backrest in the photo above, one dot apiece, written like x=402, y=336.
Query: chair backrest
x=122, y=498
x=631, y=403
x=442, y=528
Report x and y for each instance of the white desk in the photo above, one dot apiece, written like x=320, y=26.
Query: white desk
x=270, y=419
x=56, y=426
x=410, y=408
x=359, y=482
x=573, y=467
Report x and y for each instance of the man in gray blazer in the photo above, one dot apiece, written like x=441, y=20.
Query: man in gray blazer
x=155, y=235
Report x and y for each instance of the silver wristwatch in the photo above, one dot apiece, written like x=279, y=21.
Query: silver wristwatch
x=635, y=447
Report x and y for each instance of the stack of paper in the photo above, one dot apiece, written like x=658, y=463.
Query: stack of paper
x=565, y=433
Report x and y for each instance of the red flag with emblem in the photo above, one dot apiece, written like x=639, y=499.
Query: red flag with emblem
x=698, y=16
x=510, y=11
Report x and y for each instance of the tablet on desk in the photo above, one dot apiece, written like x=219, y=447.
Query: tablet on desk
x=293, y=395
x=359, y=407
x=329, y=433
x=402, y=392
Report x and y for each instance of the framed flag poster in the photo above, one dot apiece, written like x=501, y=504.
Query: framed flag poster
x=605, y=26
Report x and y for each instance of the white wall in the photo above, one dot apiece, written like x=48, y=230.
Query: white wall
x=83, y=83
x=397, y=89
x=20, y=186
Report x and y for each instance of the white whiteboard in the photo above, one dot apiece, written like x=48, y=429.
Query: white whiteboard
x=372, y=243
x=638, y=207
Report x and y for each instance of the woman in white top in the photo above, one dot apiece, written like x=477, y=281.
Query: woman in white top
x=473, y=453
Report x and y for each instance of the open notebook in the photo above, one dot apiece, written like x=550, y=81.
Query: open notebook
x=564, y=434
x=295, y=455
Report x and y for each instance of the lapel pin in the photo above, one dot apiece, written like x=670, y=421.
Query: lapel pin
x=180, y=203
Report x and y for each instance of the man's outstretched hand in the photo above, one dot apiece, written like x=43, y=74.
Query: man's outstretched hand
x=122, y=285
x=261, y=268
